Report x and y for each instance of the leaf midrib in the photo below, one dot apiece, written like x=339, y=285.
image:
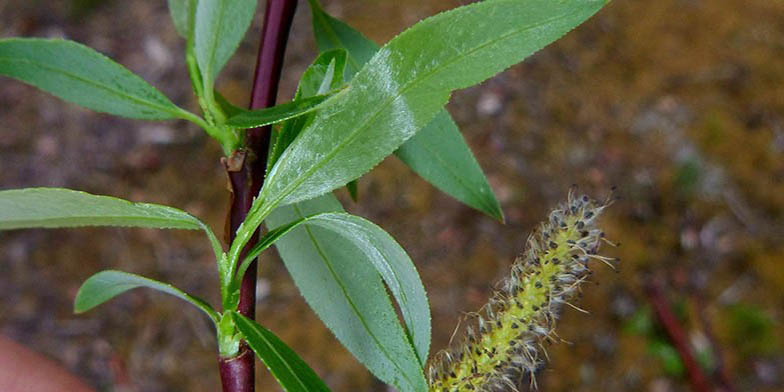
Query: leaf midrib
x=408, y=86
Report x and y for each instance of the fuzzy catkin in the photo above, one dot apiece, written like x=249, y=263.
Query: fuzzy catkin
x=505, y=341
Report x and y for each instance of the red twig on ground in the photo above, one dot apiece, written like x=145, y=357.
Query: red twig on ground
x=721, y=374
x=697, y=379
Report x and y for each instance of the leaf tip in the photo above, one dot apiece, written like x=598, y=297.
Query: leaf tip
x=501, y=218
x=80, y=306
x=498, y=213
x=492, y=208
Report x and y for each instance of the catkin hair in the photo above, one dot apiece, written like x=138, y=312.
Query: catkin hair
x=504, y=340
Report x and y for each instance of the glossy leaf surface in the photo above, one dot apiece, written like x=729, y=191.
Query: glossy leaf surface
x=106, y=285
x=81, y=75
x=338, y=263
x=292, y=373
x=407, y=83
x=219, y=27
x=438, y=152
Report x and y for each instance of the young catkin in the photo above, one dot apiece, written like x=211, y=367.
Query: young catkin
x=505, y=341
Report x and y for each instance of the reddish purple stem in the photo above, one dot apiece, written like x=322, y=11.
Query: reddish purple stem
x=237, y=374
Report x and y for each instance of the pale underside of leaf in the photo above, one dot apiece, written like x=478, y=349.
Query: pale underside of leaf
x=348, y=295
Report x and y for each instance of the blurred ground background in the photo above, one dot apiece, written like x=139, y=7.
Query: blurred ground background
x=679, y=103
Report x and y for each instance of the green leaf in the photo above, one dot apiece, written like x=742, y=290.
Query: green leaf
x=59, y=207
x=338, y=262
x=106, y=285
x=292, y=373
x=219, y=27
x=277, y=113
x=325, y=74
x=353, y=190
x=407, y=83
x=81, y=75
x=669, y=357
x=227, y=107
x=438, y=153
x=182, y=13
x=380, y=249
x=333, y=34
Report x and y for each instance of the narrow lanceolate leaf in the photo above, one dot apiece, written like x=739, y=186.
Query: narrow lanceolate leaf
x=58, y=207
x=340, y=263
x=182, y=13
x=438, y=153
x=277, y=113
x=407, y=83
x=106, y=285
x=219, y=27
x=292, y=373
x=81, y=75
